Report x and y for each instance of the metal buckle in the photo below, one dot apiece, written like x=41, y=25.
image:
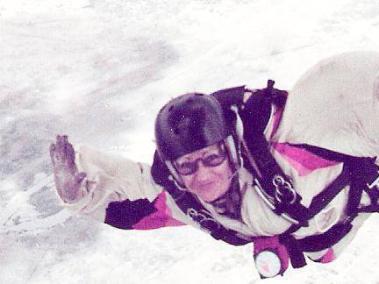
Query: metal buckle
x=204, y=218
x=271, y=202
x=283, y=188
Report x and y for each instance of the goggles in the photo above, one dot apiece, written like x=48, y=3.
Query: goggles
x=211, y=160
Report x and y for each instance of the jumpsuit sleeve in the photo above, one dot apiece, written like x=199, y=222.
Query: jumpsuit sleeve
x=122, y=193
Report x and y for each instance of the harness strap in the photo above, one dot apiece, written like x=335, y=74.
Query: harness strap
x=274, y=186
x=189, y=205
x=327, y=239
x=362, y=175
x=193, y=208
x=296, y=248
x=321, y=200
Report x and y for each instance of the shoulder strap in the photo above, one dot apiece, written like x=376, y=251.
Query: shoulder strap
x=274, y=186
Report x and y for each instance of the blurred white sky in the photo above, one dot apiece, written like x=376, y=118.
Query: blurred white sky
x=99, y=71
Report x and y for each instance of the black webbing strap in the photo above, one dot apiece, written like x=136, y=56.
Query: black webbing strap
x=321, y=200
x=187, y=203
x=326, y=240
x=283, y=197
x=357, y=172
x=255, y=114
x=259, y=160
x=296, y=248
x=363, y=171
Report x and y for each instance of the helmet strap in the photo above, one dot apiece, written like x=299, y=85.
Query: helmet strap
x=175, y=176
x=233, y=152
x=234, y=141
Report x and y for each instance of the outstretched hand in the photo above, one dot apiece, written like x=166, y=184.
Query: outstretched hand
x=66, y=175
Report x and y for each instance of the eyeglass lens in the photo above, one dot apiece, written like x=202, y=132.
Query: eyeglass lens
x=212, y=160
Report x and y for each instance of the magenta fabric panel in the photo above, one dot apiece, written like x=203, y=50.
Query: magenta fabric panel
x=328, y=257
x=302, y=160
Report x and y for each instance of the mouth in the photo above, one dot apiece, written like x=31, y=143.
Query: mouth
x=206, y=185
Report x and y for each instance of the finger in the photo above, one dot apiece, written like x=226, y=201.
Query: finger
x=70, y=154
x=65, y=146
x=52, y=147
x=64, y=141
x=60, y=144
x=80, y=177
x=61, y=147
x=55, y=155
x=52, y=151
x=56, y=152
x=58, y=139
x=57, y=143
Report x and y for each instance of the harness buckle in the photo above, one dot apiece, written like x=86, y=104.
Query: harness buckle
x=283, y=189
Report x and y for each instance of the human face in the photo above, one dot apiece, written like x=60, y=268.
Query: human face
x=208, y=182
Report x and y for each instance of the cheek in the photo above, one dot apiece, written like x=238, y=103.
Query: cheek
x=188, y=181
x=224, y=172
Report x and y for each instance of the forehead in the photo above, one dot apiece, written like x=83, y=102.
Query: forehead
x=199, y=153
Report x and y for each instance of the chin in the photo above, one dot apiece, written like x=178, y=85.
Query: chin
x=204, y=192
x=211, y=198
x=208, y=199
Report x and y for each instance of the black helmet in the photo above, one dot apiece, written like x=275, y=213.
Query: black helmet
x=188, y=123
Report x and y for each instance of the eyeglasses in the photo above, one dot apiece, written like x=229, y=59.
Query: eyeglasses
x=211, y=160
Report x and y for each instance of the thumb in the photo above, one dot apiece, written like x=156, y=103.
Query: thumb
x=80, y=177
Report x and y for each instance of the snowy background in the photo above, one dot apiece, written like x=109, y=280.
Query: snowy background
x=99, y=71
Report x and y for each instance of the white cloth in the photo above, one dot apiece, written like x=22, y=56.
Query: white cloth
x=335, y=105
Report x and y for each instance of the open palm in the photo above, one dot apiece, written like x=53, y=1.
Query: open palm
x=66, y=175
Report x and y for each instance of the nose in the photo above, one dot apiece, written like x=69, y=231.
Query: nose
x=202, y=174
